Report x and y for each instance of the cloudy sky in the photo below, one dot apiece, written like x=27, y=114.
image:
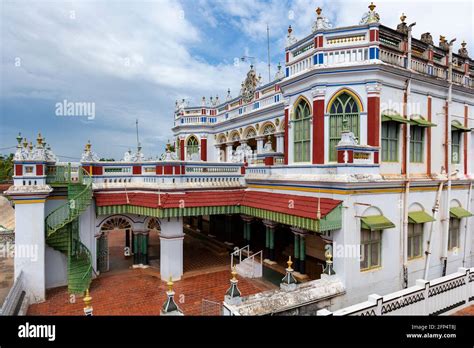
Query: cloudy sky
x=133, y=59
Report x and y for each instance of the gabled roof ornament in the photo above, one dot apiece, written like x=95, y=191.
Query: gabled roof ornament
x=321, y=22
x=290, y=38
x=371, y=16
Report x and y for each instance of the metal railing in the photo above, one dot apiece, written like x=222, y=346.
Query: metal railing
x=14, y=300
x=238, y=253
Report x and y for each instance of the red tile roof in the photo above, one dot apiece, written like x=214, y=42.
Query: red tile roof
x=297, y=205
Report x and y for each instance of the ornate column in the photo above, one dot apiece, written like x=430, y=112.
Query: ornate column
x=217, y=153
x=270, y=240
x=136, y=250
x=300, y=249
x=373, y=117
x=318, y=141
x=171, y=248
x=260, y=141
x=228, y=230
x=140, y=248
x=247, y=229
x=280, y=138
x=128, y=250
x=229, y=151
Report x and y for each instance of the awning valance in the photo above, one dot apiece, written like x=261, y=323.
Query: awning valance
x=457, y=126
x=419, y=217
x=376, y=222
x=421, y=122
x=459, y=212
x=393, y=117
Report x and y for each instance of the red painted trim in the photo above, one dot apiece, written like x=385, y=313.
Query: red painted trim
x=371, y=35
x=404, y=135
x=376, y=157
x=465, y=142
x=159, y=170
x=203, y=111
x=242, y=170
x=168, y=170
x=321, y=42
x=181, y=150
x=285, y=140
x=137, y=170
x=177, y=170
x=18, y=169
x=97, y=170
x=318, y=131
x=447, y=129
x=428, y=140
x=316, y=42
x=203, y=149
x=373, y=121
x=39, y=169
x=268, y=161
x=183, y=170
x=287, y=57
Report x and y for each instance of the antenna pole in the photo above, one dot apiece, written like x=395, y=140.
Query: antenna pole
x=138, y=141
x=268, y=51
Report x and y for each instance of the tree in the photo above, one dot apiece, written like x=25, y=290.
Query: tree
x=6, y=168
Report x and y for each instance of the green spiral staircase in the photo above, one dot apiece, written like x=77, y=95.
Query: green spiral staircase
x=62, y=225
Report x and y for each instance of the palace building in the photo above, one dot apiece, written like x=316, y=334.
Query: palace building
x=357, y=161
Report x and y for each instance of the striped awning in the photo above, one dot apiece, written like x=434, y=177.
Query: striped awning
x=376, y=222
x=419, y=217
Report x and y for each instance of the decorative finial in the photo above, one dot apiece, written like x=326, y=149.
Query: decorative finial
x=87, y=302
x=372, y=6
x=18, y=139
x=403, y=17
x=463, y=43
x=318, y=11
x=30, y=146
x=88, y=145
x=289, y=263
x=289, y=29
x=170, y=284
x=442, y=38
x=25, y=143
x=234, y=273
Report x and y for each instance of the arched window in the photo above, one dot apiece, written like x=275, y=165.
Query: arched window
x=192, y=147
x=301, y=131
x=343, y=107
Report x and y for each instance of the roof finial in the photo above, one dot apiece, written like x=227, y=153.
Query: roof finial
x=170, y=284
x=403, y=17
x=318, y=11
x=372, y=6
x=290, y=29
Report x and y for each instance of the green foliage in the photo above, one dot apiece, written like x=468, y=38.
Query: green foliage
x=6, y=167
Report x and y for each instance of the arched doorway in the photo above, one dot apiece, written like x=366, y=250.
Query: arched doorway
x=118, y=246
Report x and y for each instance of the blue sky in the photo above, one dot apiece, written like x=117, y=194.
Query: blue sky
x=133, y=59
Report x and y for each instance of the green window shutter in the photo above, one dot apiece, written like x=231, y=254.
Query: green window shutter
x=376, y=222
x=344, y=107
x=390, y=141
x=302, y=132
x=416, y=144
x=459, y=212
x=455, y=146
x=419, y=217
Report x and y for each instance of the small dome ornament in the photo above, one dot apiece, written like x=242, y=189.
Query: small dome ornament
x=371, y=16
x=443, y=43
x=279, y=75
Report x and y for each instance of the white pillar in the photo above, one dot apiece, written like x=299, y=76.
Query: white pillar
x=229, y=152
x=260, y=144
x=171, y=248
x=218, y=157
x=280, y=138
x=30, y=245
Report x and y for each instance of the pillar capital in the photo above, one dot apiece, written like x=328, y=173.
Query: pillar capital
x=270, y=223
x=299, y=231
x=139, y=231
x=247, y=218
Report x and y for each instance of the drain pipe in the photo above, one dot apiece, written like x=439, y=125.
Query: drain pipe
x=444, y=255
x=407, y=163
x=466, y=226
x=407, y=190
x=428, y=243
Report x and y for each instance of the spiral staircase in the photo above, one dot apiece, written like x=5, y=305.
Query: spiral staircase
x=62, y=225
